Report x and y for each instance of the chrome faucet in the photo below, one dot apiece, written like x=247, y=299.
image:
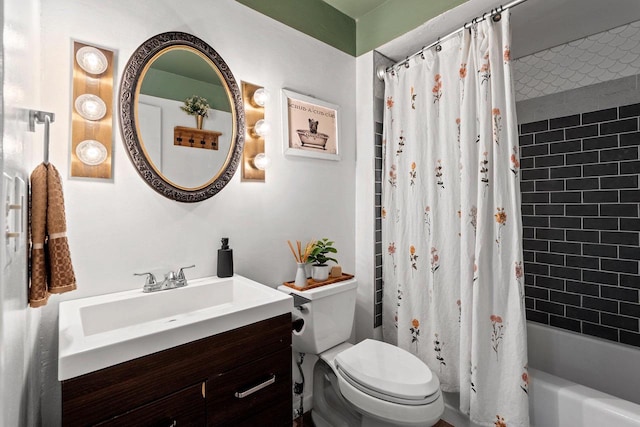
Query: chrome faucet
x=171, y=280
x=150, y=284
x=181, y=280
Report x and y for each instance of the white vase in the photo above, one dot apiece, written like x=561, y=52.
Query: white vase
x=301, y=275
x=320, y=273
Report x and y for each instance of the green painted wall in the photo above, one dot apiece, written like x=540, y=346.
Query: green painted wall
x=173, y=86
x=396, y=17
x=313, y=17
x=323, y=22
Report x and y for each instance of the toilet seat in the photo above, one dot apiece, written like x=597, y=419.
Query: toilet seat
x=388, y=372
x=425, y=400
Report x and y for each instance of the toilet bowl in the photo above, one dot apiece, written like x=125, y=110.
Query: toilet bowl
x=371, y=383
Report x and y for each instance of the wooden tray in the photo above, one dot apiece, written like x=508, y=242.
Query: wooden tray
x=313, y=284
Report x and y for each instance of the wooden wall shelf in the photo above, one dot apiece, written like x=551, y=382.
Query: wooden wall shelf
x=196, y=138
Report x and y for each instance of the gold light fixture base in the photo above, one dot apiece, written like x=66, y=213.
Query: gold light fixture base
x=98, y=87
x=253, y=143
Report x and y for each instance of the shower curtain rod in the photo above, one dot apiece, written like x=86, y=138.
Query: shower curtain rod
x=494, y=12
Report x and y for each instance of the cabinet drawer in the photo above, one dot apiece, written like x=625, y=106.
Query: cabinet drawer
x=184, y=408
x=263, y=385
x=271, y=417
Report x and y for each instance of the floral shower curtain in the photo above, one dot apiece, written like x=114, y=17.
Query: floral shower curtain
x=453, y=275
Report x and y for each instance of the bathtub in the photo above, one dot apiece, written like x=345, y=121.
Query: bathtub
x=575, y=381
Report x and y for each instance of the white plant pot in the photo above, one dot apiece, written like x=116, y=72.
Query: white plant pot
x=319, y=273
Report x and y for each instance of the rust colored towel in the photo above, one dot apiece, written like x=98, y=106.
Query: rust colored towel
x=38, y=294
x=51, y=268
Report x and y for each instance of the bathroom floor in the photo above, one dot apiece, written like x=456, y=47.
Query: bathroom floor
x=305, y=421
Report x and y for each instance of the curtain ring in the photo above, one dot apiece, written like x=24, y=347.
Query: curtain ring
x=406, y=62
x=497, y=16
x=438, y=47
x=422, y=52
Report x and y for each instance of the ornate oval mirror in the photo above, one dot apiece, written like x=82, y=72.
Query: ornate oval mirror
x=181, y=117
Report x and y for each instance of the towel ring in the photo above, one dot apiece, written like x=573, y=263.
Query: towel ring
x=46, y=118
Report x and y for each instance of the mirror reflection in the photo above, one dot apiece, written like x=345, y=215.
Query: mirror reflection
x=168, y=128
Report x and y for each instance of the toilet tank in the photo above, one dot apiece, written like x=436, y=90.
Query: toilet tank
x=328, y=316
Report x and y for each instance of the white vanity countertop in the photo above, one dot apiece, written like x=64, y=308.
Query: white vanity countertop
x=102, y=331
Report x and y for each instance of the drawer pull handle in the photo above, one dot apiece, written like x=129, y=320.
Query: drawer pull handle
x=267, y=383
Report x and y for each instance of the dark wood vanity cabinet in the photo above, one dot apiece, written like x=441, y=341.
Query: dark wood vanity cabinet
x=183, y=408
x=236, y=378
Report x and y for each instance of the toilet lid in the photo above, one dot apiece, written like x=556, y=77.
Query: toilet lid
x=388, y=370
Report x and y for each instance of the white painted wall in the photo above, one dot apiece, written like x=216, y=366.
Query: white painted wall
x=121, y=227
x=365, y=182
x=19, y=352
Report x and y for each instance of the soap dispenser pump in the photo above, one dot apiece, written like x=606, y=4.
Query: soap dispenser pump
x=225, y=259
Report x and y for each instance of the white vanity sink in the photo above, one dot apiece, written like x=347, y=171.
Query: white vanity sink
x=105, y=330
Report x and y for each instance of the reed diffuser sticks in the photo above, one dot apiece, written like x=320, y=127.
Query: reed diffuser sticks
x=300, y=256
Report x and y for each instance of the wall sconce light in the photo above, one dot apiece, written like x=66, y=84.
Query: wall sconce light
x=92, y=60
x=262, y=128
x=90, y=107
x=254, y=160
x=260, y=97
x=91, y=152
x=92, y=111
x=261, y=161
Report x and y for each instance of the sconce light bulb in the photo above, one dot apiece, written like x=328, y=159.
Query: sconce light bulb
x=262, y=128
x=90, y=107
x=91, y=152
x=261, y=161
x=260, y=97
x=91, y=60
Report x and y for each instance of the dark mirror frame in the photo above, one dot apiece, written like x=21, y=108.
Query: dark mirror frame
x=127, y=110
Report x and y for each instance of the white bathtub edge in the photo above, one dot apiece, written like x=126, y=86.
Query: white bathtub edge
x=559, y=402
x=602, y=365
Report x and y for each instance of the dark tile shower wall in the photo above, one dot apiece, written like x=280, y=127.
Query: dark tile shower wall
x=581, y=219
x=378, y=113
x=377, y=320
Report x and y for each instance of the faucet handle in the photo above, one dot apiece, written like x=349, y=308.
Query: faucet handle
x=180, y=274
x=151, y=279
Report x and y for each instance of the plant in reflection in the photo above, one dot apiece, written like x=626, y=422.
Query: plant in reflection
x=196, y=106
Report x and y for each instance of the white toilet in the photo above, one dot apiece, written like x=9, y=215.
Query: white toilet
x=368, y=384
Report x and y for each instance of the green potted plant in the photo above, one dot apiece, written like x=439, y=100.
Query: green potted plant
x=196, y=106
x=319, y=258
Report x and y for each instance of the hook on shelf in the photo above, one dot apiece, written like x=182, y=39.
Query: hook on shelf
x=46, y=118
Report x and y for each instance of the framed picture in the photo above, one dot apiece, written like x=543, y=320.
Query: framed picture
x=310, y=127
